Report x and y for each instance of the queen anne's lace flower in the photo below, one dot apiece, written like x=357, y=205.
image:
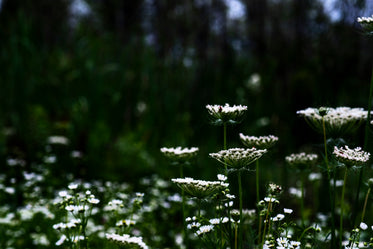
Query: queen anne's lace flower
x=351, y=157
x=126, y=240
x=366, y=23
x=226, y=114
x=338, y=120
x=238, y=158
x=180, y=155
x=199, y=188
x=301, y=160
x=263, y=142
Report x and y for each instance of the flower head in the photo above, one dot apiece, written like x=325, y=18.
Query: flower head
x=338, y=120
x=301, y=160
x=366, y=23
x=238, y=158
x=126, y=240
x=226, y=114
x=263, y=142
x=199, y=188
x=351, y=157
x=180, y=155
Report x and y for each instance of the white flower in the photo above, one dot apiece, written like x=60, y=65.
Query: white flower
x=288, y=210
x=263, y=142
x=351, y=157
x=61, y=240
x=126, y=239
x=222, y=177
x=226, y=114
x=337, y=121
x=58, y=140
x=204, y=229
x=301, y=160
x=180, y=155
x=199, y=188
x=363, y=226
x=238, y=158
x=73, y=186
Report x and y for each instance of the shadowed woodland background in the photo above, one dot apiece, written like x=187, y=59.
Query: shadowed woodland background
x=128, y=77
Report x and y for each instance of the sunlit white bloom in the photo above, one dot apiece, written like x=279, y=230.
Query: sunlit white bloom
x=58, y=140
x=50, y=159
x=15, y=161
x=61, y=240
x=238, y=158
x=40, y=239
x=338, y=120
x=93, y=200
x=204, y=229
x=199, y=188
x=314, y=176
x=301, y=160
x=179, y=154
x=295, y=192
x=288, y=210
x=278, y=217
x=351, y=157
x=126, y=239
x=363, y=226
x=10, y=190
x=226, y=114
x=262, y=142
x=73, y=186
x=222, y=177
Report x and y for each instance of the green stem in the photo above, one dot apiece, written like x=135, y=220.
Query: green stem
x=225, y=136
x=266, y=220
x=365, y=205
x=366, y=138
x=183, y=206
x=241, y=217
x=342, y=204
x=331, y=196
x=257, y=181
x=302, y=199
x=235, y=235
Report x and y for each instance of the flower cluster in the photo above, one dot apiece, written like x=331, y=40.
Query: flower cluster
x=366, y=23
x=226, y=114
x=238, y=158
x=351, y=157
x=126, y=240
x=338, y=120
x=199, y=188
x=263, y=142
x=301, y=160
x=180, y=155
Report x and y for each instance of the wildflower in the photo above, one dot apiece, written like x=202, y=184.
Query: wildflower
x=263, y=142
x=274, y=189
x=288, y=210
x=301, y=160
x=351, y=157
x=238, y=158
x=58, y=140
x=204, y=229
x=226, y=114
x=314, y=176
x=127, y=240
x=180, y=155
x=363, y=226
x=199, y=188
x=366, y=23
x=73, y=186
x=337, y=121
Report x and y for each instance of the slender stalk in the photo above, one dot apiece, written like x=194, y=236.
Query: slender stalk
x=331, y=196
x=225, y=136
x=342, y=204
x=302, y=199
x=265, y=223
x=235, y=235
x=183, y=206
x=257, y=181
x=365, y=205
x=366, y=138
x=241, y=217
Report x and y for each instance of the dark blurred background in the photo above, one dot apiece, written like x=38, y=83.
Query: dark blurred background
x=120, y=79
